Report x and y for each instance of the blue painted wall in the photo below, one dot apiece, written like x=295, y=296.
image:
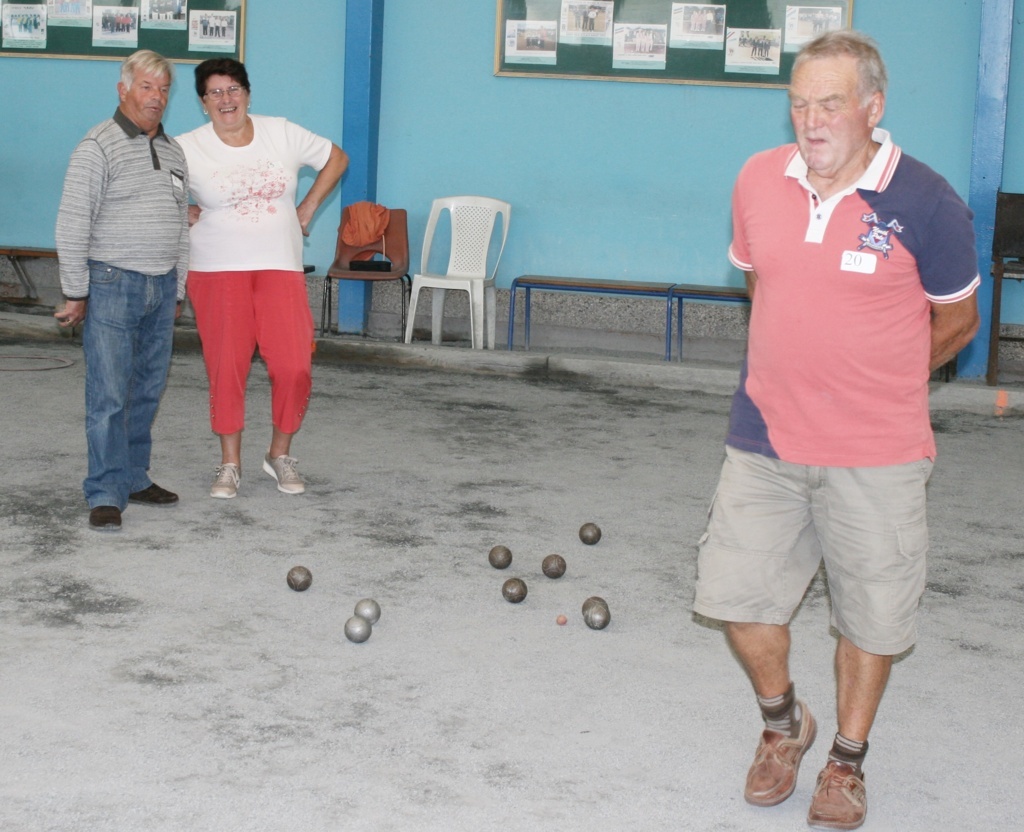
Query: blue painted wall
x=606, y=179
x=630, y=180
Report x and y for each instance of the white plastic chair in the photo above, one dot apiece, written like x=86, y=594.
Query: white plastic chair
x=472, y=219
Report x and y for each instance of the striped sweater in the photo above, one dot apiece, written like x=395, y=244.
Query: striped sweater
x=125, y=204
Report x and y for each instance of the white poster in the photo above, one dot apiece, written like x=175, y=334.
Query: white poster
x=24, y=26
x=698, y=26
x=164, y=14
x=115, y=26
x=804, y=23
x=639, y=46
x=69, y=12
x=753, y=50
x=531, y=41
x=210, y=31
x=587, y=22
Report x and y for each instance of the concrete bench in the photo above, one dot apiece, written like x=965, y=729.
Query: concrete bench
x=15, y=254
x=682, y=292
x=529, y=282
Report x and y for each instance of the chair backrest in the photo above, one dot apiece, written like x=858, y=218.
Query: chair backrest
x=472, y=219
x=1008, y=236
x=394, y=245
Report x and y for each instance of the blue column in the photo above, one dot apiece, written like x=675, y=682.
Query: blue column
x=987, y=163
x=364, y=41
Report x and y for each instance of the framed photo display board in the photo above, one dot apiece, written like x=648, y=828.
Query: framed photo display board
x=182, y=30
x=726, y=42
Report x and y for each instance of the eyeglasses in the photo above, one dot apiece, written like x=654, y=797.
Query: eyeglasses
x=217, y=95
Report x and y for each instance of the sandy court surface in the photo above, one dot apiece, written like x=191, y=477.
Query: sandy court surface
x=166, y=678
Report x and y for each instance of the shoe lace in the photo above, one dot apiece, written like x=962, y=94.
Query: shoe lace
x=777, y=746
x=844, y=780
x=226, y=474
x=288, y=467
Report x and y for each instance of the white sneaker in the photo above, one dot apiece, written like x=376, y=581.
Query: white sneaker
x=285, y=470
x=225, y=483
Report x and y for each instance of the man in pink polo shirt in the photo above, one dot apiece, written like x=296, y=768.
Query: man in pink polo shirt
x=861, y=266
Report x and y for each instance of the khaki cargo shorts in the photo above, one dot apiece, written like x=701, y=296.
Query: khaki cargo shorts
x=772, y=523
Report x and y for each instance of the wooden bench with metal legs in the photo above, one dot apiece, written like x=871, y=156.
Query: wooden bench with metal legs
x=686, y=291
x=16, y=254
x=529, y=282
x=676, y=293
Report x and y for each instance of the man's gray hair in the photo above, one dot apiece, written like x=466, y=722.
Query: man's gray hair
x=145, y=62
x=871, y=73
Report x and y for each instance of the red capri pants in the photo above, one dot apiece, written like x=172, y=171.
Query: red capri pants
x=235, y=312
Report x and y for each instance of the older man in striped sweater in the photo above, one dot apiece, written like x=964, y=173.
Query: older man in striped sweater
x=122, y=240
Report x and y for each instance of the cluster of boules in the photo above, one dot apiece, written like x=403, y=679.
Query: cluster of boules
x=360, y=626
x=596, y=613
x=367, y=613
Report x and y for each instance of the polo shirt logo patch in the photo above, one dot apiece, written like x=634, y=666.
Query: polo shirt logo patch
x=879, y=234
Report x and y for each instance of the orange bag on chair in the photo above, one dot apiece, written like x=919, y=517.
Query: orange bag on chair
x=365, y=223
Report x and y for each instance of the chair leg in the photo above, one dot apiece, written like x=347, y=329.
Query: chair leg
x=325, y=307
x=490, y=306
x=476, y=315
x=414, y=294
x=406, y=284
x=436, y=315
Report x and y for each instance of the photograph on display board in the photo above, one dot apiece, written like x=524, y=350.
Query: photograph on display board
x=24, y=25
x=164, y=14
x=211, y=31
x=110, y=30
x=804, y=23
x=753, y=50
x=115, y=26
x=69, y=12
x=531, y=41
x=697, y=26
x=732, y=43
x=587, y=22
x=639, y=46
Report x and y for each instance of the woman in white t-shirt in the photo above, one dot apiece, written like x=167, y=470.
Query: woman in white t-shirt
x=246, y=280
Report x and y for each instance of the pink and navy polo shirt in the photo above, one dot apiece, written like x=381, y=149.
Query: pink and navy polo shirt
x=837, y=362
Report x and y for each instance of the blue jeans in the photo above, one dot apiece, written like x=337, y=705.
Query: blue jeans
x=127, y=340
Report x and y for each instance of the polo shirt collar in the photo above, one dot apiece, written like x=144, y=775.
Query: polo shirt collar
x=131, y=129
x=875, y=178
